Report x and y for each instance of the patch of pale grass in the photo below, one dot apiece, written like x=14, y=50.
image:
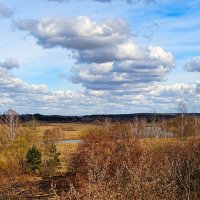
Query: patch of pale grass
x=70, y=131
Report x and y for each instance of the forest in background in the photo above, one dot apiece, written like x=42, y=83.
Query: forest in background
x=101, y=118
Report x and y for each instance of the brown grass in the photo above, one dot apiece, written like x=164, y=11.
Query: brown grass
x=71, y=131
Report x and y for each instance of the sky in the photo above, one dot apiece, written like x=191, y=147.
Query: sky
x=80, y=57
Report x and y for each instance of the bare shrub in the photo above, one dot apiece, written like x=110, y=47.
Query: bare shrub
x=52, y=135
x=11, y=122
x=9, y=171
x=113, y=165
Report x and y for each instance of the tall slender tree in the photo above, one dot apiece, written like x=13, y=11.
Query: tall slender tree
x=11, y=122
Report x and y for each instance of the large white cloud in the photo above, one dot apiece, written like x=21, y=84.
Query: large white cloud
x=78, y=33
x=107, y=56
x=151, y=66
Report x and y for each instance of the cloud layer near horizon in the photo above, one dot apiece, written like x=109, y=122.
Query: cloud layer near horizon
x=18, y=94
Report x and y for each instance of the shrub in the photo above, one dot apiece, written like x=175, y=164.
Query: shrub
x=33, y=157
x=111, y=164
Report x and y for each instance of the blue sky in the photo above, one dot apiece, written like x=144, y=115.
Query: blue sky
x=77, y=57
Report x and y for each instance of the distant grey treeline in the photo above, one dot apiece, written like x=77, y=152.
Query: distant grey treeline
x=95, y=118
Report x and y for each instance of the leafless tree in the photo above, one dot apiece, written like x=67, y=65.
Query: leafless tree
x=11, y=122
x=182, y=110
x=163, y=126
x=153, y=128
x=33, y=123
x=134, y=127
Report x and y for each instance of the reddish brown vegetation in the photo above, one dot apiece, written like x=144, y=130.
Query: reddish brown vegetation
x=116, y=162
x=114, y=165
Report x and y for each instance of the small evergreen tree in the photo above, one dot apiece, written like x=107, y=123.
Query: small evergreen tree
x=33, y=157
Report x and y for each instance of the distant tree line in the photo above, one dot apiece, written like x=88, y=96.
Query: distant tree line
x=95, y=118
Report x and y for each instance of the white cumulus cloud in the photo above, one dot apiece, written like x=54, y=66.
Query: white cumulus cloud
x=193, y=65
x=106, y=54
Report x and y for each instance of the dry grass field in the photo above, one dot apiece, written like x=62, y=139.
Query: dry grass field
x=70, y=131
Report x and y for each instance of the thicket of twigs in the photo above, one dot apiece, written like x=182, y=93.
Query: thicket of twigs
x=113, y=164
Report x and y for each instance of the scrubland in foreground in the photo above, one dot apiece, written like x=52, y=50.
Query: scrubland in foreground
x=133, y=160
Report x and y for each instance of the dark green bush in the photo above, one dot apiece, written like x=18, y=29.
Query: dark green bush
x=33, y=157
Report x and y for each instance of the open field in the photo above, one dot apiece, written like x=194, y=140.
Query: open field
x=70, y=131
